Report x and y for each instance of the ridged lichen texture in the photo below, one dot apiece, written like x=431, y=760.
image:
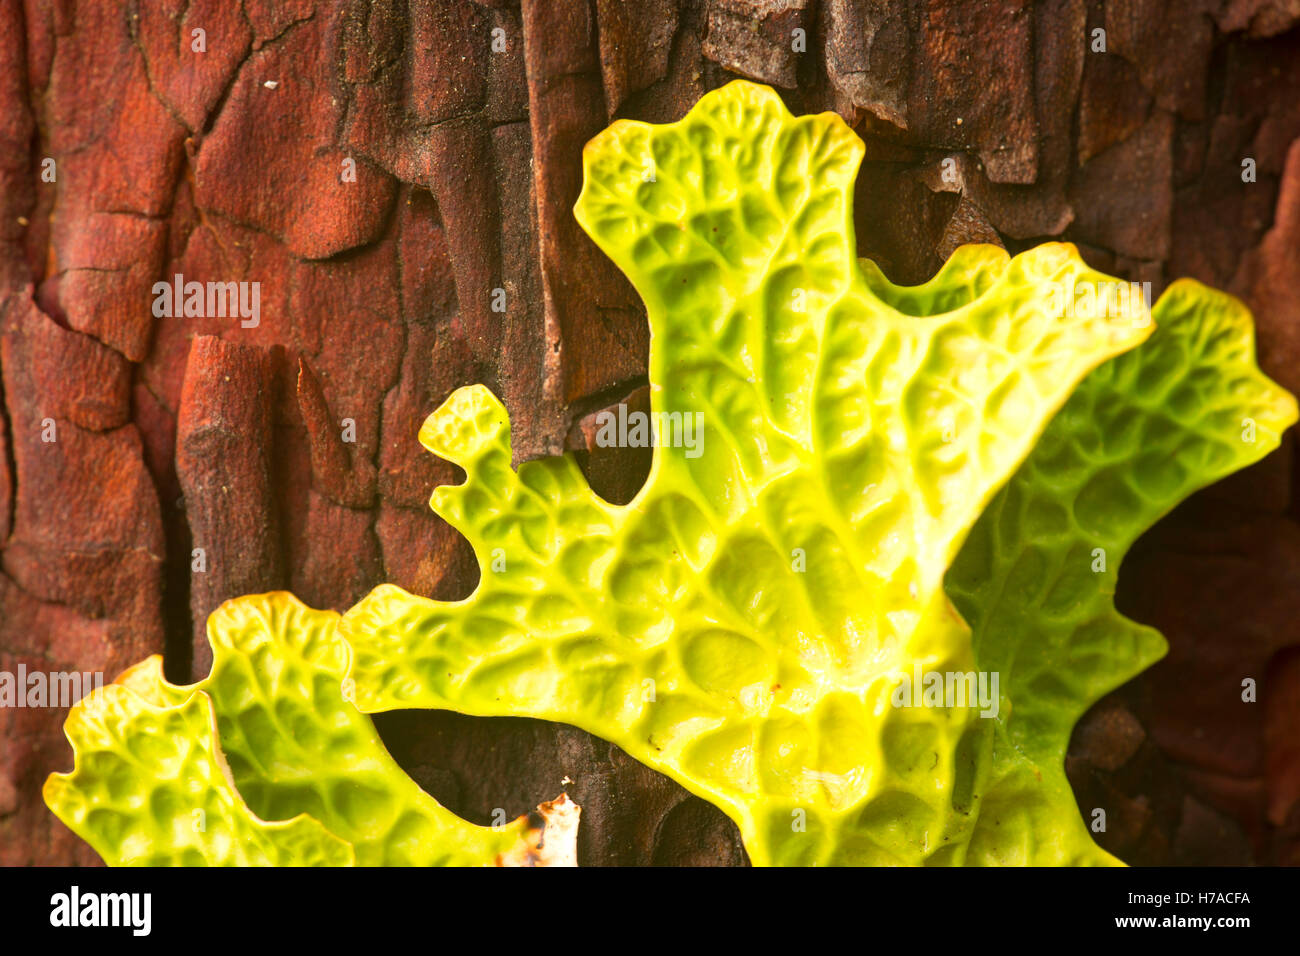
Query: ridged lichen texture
x=266, y=762
x=886, y=484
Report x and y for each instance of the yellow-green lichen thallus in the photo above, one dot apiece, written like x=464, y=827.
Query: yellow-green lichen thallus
x=746, y=625
x=266, y=762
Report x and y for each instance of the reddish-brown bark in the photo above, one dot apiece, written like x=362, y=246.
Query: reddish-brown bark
x=378, y=295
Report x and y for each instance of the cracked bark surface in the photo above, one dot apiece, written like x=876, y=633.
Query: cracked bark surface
x=465, y=121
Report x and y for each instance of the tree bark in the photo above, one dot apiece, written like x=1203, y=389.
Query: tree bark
x=128, y=156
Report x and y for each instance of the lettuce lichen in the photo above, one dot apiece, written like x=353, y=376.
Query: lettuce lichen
x=265, y=762
x=860, y=610
x=749, y=622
